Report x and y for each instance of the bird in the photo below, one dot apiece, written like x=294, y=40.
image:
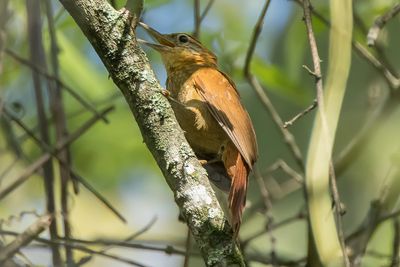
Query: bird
x=207, y=106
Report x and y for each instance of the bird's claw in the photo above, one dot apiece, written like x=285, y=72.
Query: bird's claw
x=203, y=161
x=166, y=93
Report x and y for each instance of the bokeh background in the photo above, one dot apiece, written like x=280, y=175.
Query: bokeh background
x=113, y=158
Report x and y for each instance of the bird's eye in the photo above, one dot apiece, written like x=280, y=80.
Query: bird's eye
x=183, y=38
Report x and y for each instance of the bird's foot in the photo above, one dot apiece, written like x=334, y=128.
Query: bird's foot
x=203, y=161
x=166, y=93
x=211, y=161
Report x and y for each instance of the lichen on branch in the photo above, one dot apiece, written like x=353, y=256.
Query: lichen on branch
x=110, y=33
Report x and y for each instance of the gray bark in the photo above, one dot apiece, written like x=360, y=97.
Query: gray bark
x=110, y=33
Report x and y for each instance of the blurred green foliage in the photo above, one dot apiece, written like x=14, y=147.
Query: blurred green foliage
x=114, y=159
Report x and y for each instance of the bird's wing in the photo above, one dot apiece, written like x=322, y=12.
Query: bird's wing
x=223, y=102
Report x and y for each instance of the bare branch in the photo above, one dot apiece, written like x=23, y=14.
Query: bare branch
x=188, y=246
x=339, y=212
x=129, y=238
x=359, y=23
x=76, y=243
x=379, y=23
x=196, y=10
x=37, y=54
x=314, y=54
x=281, y=164
x=391, y=78
x=272, y=227
x=396, y=244
x=4, y=17
x=287, y=136
x=380, y=210
x=206, y=10
x=301, y=114
x=279, y=261
x=199, y=17
x=25, y=238
x=59, y=118
x=65, y=166
x=67, y=88
x=28, y=171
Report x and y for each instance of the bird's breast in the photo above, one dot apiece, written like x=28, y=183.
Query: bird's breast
x=202, y=131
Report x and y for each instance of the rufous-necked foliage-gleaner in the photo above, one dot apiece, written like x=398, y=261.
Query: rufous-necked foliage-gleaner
x=208, y=108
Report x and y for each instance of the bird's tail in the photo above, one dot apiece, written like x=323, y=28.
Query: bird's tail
x=238, y=171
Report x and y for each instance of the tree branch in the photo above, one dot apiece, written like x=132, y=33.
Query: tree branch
x=25, y=238
x=380, y=23
x=109, y=31
x=324, y=229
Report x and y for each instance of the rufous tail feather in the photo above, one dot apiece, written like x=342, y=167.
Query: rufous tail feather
x=238, y=171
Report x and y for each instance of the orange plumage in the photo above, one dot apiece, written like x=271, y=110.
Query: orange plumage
x=208, y=108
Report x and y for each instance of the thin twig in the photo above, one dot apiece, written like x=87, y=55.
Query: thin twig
x=288, y=137
x=260, y=257
x=396, y=243
x=254, y=38
x=63, y=85
x=5, y=15
x=146, y=228
x=188, y=247
x=18, y=218
x=97, y=194
x=167, y=249
x=339, y=211
x=81, y=245
x=282, y=165
x=263, y=190
x=25, y=238
x=272, y=227
x=196, y=15
x=314, y=54
x=99, y=253
x=380, y=22
x=64, y=165
x=8, y=169
x=277, y=191
x=301, y=114
x=59, y=118
x=199, y=16
x=206, y=10
x=389, y=216
x=252, y=80
x=79, y=111
x=267, y=208
x=359, y=23
x=91, y=252
x=391, y=78
x=129, y=238
x=28, y=171
x=377, y=214
x=377, y=254
x=37, y=55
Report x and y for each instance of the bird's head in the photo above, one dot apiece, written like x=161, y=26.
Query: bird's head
x=180, y=50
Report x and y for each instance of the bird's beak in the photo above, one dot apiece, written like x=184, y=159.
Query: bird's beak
x=163, y=40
